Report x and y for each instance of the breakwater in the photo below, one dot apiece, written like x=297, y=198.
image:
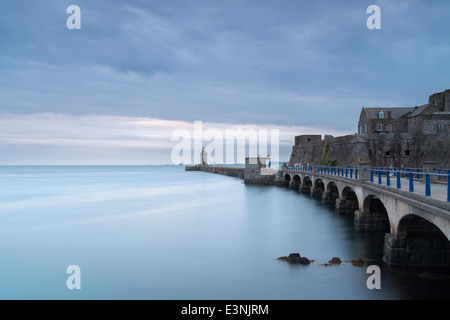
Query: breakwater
x=227, y=171
x=255, y=172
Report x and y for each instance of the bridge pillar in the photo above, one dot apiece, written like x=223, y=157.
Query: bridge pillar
x=305, y=188
x=317, y=189
x=428, y=166
x=329, y=197
x=346, y=206
x=364, y=171
x=371, y=221
x=417, y=252
x=294, y=184
x=395, y=251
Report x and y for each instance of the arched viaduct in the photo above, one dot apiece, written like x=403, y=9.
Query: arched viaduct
x=417, y=228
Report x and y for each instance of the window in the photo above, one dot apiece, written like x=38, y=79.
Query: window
x=381, y=115
x=380, y=127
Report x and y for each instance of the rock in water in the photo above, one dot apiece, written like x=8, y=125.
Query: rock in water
x=304, y=260
x=358, y=263
x=295, y=258
x=335, y=260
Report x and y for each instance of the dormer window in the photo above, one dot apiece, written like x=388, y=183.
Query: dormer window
x=381, y=115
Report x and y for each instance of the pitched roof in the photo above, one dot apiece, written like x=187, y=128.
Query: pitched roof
x=372, y=113
x=419, y=110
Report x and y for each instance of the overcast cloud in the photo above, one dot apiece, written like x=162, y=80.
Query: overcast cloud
x=112, y=140
x=288, y=63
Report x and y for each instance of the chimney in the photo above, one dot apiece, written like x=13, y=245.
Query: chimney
x=447, y=100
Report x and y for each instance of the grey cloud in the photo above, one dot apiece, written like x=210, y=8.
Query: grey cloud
x=286, y=62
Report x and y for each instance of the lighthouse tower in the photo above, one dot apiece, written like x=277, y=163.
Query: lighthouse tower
x=203, y=157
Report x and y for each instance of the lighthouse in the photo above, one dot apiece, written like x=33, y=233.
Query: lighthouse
x=203, y=157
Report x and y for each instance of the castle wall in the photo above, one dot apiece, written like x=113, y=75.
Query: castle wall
x=409, y=142
x=339, y=151
x=440, y=102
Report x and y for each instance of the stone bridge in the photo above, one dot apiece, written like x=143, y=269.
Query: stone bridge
x=416, y=221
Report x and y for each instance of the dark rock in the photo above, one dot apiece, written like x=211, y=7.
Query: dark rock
x=304, y=260
x=295, y=258
x=335, y=260
x=358, y=262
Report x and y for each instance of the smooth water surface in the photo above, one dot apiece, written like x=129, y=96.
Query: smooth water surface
x=158, y=232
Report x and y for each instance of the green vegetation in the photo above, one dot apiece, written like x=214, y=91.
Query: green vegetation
x=326, y=160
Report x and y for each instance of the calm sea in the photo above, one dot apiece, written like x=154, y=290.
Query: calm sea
x=158, y=232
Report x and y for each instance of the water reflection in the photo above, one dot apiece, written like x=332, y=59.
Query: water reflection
x=163, y=233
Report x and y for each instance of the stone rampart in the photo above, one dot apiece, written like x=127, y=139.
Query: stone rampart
x=227, y=171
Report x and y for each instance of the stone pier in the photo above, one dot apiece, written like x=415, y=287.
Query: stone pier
x=295, y=185
x=416, y=252
x=227, y=171
x=346, y=206
x=371, y=221
x=329, y=197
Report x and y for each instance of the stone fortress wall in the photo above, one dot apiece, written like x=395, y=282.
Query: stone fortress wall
x=419, y=134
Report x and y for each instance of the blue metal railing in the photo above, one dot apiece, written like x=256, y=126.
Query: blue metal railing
x=410, y=174
x=347, y=172
x=403, y=171
x=441, y=171
x=301, y=168
x=392, y=175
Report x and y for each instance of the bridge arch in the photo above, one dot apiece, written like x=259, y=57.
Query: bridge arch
x=318, y=188
x=306, y=185
x=333, y=188
x=418, y=243
x=348, y=203
x=349, y=194
x=287, y=177
x=412, y=224
x=373, y=217
x=331, y=193
x=295, y=182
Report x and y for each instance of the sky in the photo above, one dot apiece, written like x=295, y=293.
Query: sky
x=114, y=91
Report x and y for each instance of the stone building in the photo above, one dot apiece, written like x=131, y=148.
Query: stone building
x=377, y=120
x=387, y=137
